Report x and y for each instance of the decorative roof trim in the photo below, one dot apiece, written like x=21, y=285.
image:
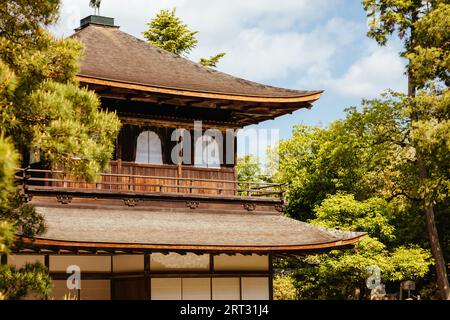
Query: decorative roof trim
x=315, y=95
x=135, y=246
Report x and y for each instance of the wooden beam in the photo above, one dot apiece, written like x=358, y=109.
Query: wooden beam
x=60, y=275
x=257, y=112
x=166, y=100
x=174, y=123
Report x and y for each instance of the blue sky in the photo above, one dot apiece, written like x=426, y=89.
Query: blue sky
x=298, y=44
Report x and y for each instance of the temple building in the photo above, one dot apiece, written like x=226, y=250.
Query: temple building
x=166, y=221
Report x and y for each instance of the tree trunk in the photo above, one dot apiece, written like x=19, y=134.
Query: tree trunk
x=436, y=251
x=441, y=270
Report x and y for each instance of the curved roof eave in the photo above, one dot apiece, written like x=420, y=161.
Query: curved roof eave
x=63, y=244
x=311, y=97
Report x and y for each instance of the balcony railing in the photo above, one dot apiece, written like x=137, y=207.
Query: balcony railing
x=39, y=179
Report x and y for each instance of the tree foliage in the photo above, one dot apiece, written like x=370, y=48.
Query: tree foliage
x=284, y=288
x=352, y=156
x=387, y=17
x=19, y=17
x=45, y=111
x=249, y=169
x=338, y=274
x=342, y=211
x=359, y=174
x=344, y=274
x=32, y=279
x=170, y=33
x=429, y=59
x=212, y=61
x=423, y=25
x=43, y=114
x=14, y=214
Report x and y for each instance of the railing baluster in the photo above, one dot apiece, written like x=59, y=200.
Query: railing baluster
x=147, y=183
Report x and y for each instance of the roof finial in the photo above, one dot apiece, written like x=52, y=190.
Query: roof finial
x=96, y=5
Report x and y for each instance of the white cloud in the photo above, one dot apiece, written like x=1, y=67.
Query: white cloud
x=265, y=41
x=211, y=17
x=381, y=69
x=261, y=38
x=269, y=57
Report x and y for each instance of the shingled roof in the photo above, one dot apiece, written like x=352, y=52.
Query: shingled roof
x=113, y=55
x=221, y=231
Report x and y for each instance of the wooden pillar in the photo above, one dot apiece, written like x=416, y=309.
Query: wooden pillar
x=179, y=175
x=111, y=280
x=240, y=288
x=211, y=271
x=211, y=263
x=117, y=179
x=236, y=186
x=235, y=153
x=147, y=277
x=4, y=259
x=47, y=261
x=119, y=146
x=270, y=277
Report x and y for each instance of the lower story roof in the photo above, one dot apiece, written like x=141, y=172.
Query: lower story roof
x=190, y=230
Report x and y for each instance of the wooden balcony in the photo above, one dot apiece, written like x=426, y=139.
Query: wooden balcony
x=127, y=178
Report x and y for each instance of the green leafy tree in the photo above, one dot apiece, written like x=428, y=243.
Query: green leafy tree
x=423, y=26
x=248, y=169
x=350, y=156
x=284, y=288
x=360, y=174
x=168, y=32
x=429, y=59
x=42, y=112
x=343, y=274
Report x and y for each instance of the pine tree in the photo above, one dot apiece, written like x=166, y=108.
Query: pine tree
x=168, y=32
x=42, y=110
x=212, y=61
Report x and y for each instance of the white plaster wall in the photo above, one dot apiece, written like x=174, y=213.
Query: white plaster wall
x=240, y=262
x=225, y=289
x=128, y=263
x=255, y=288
